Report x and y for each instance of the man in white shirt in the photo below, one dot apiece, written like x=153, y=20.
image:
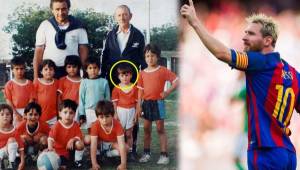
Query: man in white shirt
x=58, y=37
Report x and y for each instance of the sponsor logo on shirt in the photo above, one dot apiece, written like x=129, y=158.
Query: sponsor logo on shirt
x=287, y=75
x=135, y=45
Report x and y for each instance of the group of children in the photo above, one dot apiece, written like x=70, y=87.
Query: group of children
x=43, y=115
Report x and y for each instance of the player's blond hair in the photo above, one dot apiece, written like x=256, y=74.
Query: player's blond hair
x=269, y=27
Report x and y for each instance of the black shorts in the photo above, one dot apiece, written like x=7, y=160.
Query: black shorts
x=153, y=110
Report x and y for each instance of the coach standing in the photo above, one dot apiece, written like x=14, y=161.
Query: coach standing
x=58, y=37
x=123, y=42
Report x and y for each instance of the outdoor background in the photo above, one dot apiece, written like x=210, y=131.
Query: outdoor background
x=19, y=20
x=210, y=122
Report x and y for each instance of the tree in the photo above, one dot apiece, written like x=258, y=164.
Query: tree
x=165, y=37
x=25, y=20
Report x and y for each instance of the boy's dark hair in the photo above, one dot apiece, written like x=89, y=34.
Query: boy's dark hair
x=67, y=103
x=6, y=106
x=73, y=60
x=153, y=48
x=67, y=1
x=33, y=105
x=17, y=61
x=92, y=60
x=105, y=107
x=124, y=68
x=49, y=63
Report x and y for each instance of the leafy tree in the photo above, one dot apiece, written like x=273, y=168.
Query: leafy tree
x=165, y=37
x=25, y=20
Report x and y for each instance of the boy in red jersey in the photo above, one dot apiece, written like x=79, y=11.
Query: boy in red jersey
x=124, y=99
x=10, y=141
x=33, y=132
x=107, y=129
x=65, y=136
x=18, y=91
x=151, y=85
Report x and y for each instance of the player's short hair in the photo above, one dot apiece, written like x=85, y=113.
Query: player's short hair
x=92, y=60
x=269, y=27
x=67, y=103
x=49, y=63
x=33, y=105
x=8, y=107
x=67, y=1
x=124, y=7
x=73, y=60
x=124, y=68
x=17, y=61
x=105, y=107
x=153, y=48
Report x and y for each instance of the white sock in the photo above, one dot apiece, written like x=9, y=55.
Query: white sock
x=12, y=149
x=78, y=155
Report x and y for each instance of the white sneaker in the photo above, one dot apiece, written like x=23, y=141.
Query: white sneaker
x=163, y=160
x=145, y=158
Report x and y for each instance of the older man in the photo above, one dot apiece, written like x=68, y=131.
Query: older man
x=123, y=42
x=58, y=37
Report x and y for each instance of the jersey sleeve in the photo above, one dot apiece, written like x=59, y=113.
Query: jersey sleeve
x=107, y=91
x=247, y=61
x=8, y=91
x=53, y=132
x=40, y=38
x=82, y=91
x=94, y=129
x=119, y=129
x=82, y=37
x=115, y=95
x=78, y=131
x=170, y=76
x=140, y=83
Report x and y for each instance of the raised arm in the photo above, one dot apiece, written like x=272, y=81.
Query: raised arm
x=217, y=48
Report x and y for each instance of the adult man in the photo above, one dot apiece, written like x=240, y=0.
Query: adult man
x=123, y=42
x=58, y=37
x=272, y=89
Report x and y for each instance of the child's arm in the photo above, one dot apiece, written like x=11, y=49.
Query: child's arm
x=94, y=143
x=50, y=144
x=166, y=93
x=115, y=108
x=122, y=149
x=139, y=103
x=81, y=108
x=22, y=161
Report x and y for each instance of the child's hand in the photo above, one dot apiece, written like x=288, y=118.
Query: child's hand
x=96, y=166
x=164, y=94
x=121, y=167
x=18, y=117
x=50, y=149
x=70, y=144
x=136, y=118
x=82, y=119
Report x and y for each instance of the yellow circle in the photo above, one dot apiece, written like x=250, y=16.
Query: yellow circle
x=126, y=87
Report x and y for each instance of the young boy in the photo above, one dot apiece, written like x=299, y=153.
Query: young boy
x=18, y=91
x=10, y=141
x=65, y=136
x=92, y=89
x=151, y=85
x=69, y=85
x=33, y=132
x=46, y=92
x=124, y=99
x=107, y=129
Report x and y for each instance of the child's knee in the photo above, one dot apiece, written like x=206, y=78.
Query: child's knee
x=87, y=140
x=161, y=131
x=79, y=145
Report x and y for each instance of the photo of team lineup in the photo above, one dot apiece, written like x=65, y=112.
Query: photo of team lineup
x=149, y=84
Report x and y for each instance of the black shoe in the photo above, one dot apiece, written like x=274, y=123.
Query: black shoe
x=131, y=157
x=78, y=164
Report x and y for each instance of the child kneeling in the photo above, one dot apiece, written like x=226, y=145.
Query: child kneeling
x=107, y=129
x=65, y=136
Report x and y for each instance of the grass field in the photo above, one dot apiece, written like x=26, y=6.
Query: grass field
x=171, y=125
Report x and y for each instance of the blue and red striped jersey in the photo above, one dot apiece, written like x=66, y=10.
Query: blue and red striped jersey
x=272, y=94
